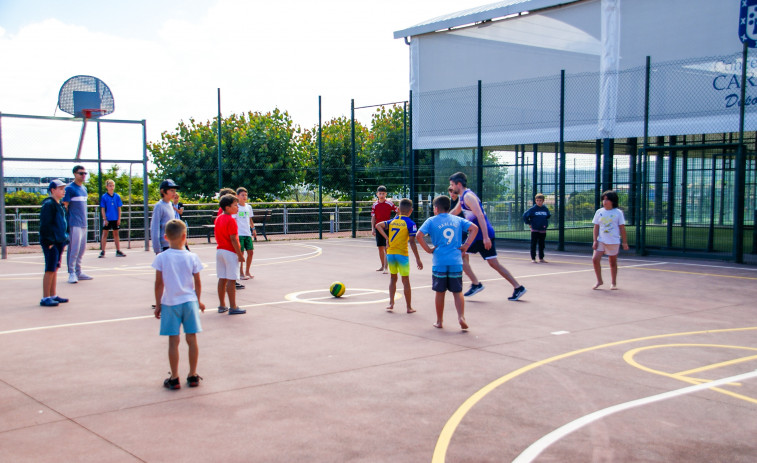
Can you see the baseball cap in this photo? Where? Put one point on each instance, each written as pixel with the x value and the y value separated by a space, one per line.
pixel 168 183
pixel 55 184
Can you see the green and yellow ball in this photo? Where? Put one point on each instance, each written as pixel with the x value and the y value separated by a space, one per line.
pixel 337 289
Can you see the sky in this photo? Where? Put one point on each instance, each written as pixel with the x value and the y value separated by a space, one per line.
pixel 165 59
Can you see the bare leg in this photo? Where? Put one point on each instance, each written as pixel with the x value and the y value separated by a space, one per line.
pixel 48 285
pixel 54 284
pixel 408 292
pixel 117 240
pixel 494 263
pixel 596 259
pixel 439 303
pixel 231 290
pixel 392 291
pixel 248 264
pixel 194 353
pixel 460 307
pixel 614 271
pixel 173 355
pixel 222 292
pixel 382 258
pixel 468 270
pixel 104 240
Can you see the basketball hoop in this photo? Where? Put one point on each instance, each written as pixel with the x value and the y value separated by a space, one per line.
pixel 86 97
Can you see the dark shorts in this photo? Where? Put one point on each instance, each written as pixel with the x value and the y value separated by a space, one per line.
pixel 478 248
pixel 111 225
pixel 447 278
pixel 380 240
pixel 53 256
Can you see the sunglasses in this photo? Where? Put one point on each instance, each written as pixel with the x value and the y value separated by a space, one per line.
pixel 81 173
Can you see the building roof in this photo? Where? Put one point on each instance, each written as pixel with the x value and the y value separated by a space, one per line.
pixel 478 14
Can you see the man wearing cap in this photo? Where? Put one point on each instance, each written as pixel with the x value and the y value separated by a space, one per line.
pixel 75 202
pixel 161 214
pixel 53 238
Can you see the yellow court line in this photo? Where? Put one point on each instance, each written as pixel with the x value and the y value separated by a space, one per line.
pixel 445 437
pixel 698 273
pixel 629 358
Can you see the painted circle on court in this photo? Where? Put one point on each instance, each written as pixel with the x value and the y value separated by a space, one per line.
pixel 328 299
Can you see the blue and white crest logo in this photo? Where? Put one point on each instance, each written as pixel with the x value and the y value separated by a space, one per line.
pixel 748 22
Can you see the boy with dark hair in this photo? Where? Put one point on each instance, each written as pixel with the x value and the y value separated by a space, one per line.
pixel 53 238
pixel 483 242
pixel 110 208
pixel 401 232
pixel 246 232
pixel 228 255
pixel 609 230
pixel 177 300
pixel 445 231
pixel 162 213
pixel 381 211
pixel 537 217
pixel 75 202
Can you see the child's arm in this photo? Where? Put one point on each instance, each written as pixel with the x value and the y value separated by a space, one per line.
pixel 102 212
pixel 595 232
pixel 158 291
pixel 527 217
pixel 373 224
pixel 623 237
pixel 380 227
pixel 472 232
pixel 198 290
pixel 237 249
pixel 419 236
pixel 415 251
pixel 119 216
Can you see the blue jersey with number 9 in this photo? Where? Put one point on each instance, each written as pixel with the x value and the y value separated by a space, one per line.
pixel 446 233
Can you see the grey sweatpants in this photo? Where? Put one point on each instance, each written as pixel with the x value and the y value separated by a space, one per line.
pixel 76 248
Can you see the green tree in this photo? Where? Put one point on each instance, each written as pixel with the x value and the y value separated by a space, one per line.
pixel 386 151
pixel 122 185
pixel 261 151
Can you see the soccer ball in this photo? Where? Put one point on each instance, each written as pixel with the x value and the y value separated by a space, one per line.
pixel 337 289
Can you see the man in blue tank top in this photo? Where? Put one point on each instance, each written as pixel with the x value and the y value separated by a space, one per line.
pixel 483 244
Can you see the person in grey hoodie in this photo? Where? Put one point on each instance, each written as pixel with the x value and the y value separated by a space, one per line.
pixel 53 237
pixel 162 212
pixel 538 219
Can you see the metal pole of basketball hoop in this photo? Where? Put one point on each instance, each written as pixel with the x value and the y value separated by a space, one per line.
pixel 3 244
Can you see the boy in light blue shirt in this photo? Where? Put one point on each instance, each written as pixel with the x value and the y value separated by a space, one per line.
pixel 446 233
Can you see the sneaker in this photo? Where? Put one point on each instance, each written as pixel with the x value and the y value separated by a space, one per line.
pixel 102 254
pixel 120 254
pixel 519 291
pixel 474 289
pixel 239 285
pixel 237 311
pixel 72 278
pixel 62 300
pixel 222 309
pixel 193 381
pixel 83 276
pixel 172 383
pixel 48 302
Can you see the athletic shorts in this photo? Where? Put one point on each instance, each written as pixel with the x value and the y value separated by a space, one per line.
pixel 447 278
pixel 478 248
pixel 53 256
pixel 398 264
pixel 608 249
pixel 227 265
pixel 380 240
pixel 245 243
pixel 172 317
pixel 111 225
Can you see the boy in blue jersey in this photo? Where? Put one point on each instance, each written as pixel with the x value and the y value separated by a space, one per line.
pixel 445 231
pixel 401 232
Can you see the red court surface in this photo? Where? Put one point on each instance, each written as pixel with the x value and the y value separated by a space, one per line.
pixel 566 374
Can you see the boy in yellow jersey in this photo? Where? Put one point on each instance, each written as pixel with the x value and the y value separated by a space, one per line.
pixel 399 232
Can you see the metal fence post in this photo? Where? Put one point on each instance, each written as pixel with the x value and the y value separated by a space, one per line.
pixel 479 151
pixel 561 186
pixel 320 173
pixel 642 238
pixel 411 153
pixel 740 173
pixel 354 168
pixel 3 242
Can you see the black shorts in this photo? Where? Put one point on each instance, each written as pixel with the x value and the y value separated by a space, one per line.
pixel 478 248
pixel 111 225
pixel 380 240
pixel 53 256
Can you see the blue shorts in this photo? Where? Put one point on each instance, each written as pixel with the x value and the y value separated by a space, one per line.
pixel 398 264
pixel 447 278
pixel 173 316
pixel 53 256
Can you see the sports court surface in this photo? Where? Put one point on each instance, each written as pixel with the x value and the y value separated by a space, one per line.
pixel 566 374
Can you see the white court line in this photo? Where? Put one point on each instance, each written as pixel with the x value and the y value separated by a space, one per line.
pixel 540 445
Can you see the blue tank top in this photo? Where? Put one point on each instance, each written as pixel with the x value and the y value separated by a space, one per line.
pixel 469 215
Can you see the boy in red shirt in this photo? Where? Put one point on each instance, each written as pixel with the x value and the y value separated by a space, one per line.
pixel 381 211
pixel 228 254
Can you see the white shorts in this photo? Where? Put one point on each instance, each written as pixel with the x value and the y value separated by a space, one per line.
pixel 227 265
pixel 608 249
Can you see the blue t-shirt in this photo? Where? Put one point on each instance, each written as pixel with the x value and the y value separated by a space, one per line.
pixel 446 232
pixel 111 205
pixel 472 217
pixel 76 197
